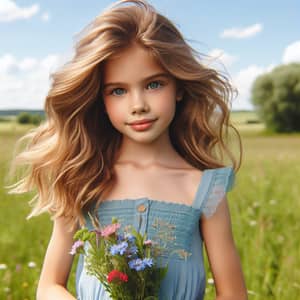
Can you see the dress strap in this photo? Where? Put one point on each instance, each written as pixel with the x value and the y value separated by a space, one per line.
pixel 212 189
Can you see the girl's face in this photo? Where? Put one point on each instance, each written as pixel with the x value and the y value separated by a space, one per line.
pixel 136 87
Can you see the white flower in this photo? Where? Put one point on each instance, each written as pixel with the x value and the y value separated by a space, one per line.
pixel 3 266
pixel 254 178
pixel 256 204
pixel 6 289
pixel 296 285
pixel 252 222
pixel 250 210
pixel 210 281
pixel 251 292
pixel 31 264
pixel 273 202
pixel 280 239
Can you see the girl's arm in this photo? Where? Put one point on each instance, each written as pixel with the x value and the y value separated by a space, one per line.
pixel 57 264
pixel 222 255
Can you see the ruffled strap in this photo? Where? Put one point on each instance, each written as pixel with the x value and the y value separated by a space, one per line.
pixel 215 184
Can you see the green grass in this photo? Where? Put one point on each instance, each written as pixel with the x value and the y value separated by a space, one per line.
pixel 265 211
pixel 247 122
pixel 264 207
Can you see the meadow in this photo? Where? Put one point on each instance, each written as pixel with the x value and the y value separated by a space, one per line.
pixel 264 207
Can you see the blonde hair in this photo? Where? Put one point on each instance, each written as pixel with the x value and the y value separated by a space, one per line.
pixel 70 157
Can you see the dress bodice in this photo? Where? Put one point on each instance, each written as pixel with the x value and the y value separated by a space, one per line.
pixel 181 236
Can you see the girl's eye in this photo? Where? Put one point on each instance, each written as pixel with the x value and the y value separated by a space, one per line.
pixel 154 84
pixel 117 92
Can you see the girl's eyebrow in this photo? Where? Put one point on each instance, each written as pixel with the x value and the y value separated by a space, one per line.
pixel 106 85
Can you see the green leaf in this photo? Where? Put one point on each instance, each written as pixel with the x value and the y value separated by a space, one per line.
pixel 79 234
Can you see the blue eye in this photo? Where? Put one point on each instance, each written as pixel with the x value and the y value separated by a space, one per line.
pixel 154 84
pixel 114 91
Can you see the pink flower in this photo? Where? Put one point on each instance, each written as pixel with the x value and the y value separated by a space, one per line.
pixel 115 274
pixel 148 243
pixel 76 245
pixel 110 229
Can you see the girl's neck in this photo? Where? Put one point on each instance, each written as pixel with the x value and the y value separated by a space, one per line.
pixel 158 153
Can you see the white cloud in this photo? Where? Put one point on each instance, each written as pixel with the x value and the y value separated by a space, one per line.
pixel 25 82
pixel 243 81
pixel 28 64
pixel 45 17
pixel 241 33
pixel 10 11
pixel 218 59
pixel 291 53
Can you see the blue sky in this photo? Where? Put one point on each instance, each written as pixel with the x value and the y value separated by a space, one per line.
pixel 245 38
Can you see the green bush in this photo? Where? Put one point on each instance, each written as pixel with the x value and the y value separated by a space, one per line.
pixel 276 96
pixel 36 119
pixel 27 118
pixel 24 118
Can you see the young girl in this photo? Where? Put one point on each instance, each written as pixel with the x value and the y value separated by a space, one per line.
pixel 136 128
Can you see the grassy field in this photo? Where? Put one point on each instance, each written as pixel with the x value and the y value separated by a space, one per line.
pixel 264 208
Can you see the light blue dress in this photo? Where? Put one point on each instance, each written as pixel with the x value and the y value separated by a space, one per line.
pixel 186 278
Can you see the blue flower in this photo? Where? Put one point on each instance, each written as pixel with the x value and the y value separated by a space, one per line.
pixel 136 264
pixel 131 238
pixel 140 264
pixel 132 251
pixel 120 238
pixel 119 248
pixel 148 262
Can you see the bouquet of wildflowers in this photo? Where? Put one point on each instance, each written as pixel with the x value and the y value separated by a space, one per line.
pixel 125 263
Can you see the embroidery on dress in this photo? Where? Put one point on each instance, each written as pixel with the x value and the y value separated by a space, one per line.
pixel 166 239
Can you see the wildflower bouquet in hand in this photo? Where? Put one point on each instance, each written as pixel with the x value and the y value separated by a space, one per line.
pixel 124 262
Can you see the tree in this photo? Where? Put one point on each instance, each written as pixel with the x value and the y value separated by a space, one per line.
pixel 24 118
pixel 36 119
pixel 29 118
pixel 276 95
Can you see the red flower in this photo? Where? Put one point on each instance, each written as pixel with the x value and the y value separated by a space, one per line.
pixel 115 274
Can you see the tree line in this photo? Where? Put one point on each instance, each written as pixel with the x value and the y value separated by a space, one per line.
pixel 30 118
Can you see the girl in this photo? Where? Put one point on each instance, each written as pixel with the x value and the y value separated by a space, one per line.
pixel 136 128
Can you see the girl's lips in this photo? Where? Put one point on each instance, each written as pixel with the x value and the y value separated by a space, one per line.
pixel 141 121
pixel 142 126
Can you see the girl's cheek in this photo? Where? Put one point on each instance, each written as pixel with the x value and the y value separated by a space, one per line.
pixel 109 105
pixel 115 112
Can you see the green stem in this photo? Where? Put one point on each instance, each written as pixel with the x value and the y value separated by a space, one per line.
pixel 141 297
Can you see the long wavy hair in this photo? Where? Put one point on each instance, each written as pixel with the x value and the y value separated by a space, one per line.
pixel 70 156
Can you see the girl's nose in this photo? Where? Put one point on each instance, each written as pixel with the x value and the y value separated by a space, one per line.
pixel 138 103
